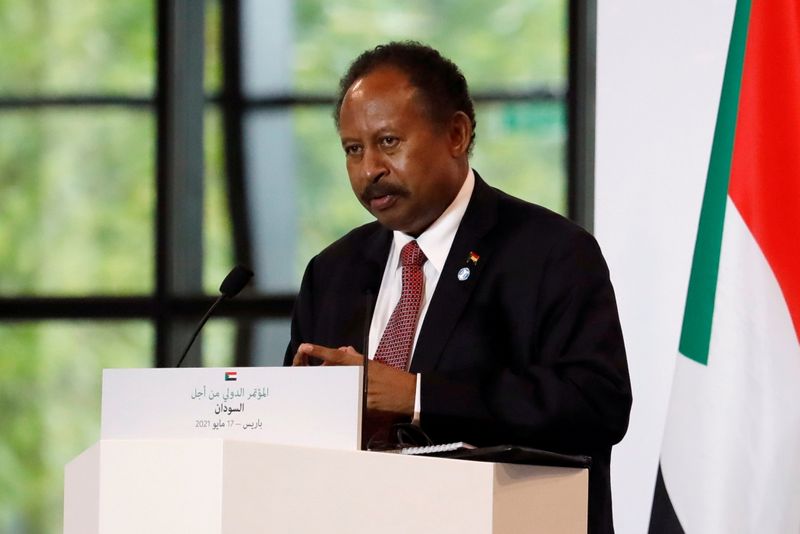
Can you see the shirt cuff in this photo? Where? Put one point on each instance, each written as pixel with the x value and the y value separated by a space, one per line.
pixel 417 402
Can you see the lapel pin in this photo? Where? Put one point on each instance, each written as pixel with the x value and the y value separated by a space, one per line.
pixel 464 272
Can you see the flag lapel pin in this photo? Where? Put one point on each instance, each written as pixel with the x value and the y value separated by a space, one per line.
pixel 465 272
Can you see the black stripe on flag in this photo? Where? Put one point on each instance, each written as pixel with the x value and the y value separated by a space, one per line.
pixel 663 519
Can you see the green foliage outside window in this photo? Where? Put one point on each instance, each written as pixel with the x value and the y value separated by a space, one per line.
pixel 49 394
pixel 77 194
pixel 55 47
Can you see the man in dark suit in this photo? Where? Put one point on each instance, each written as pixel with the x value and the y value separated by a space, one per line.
pixel 514 335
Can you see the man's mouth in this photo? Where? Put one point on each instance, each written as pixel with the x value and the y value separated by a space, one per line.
pixel 379 203
pixel 381 196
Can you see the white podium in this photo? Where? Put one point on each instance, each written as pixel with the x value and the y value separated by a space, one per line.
pixel 215 486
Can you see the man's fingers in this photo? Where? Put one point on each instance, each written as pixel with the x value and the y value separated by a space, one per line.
pixel 329 356
pixel 391 390
pixel 326 354
pixel 307 350
pixel 299 360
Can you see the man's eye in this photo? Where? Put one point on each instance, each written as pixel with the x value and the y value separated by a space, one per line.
pixel 389 141
pixel 352 150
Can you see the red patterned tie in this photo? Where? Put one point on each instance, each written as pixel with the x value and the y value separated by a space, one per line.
pixel 394 348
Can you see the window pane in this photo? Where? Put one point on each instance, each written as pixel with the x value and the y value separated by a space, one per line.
pixel 267 342
pixel 217 234
pixel 52 46
pixel 520 148
pixel 50 376
pixel 213 51
pixel 76 202
pixel 270 338
pixel 219 341
pixel 510 44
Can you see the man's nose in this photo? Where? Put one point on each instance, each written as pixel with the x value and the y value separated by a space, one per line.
pixel 374 165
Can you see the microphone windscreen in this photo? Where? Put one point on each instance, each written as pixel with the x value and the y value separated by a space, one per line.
pixel 235 281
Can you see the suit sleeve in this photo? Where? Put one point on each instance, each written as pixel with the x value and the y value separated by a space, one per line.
pixel 303 316
pixel 566 388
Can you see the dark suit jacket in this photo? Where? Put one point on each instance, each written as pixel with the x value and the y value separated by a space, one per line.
pixel 528 350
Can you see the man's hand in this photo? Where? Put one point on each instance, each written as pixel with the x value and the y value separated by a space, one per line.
pixel 388 390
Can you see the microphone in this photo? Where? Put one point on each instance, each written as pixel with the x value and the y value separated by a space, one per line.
pixel 230 287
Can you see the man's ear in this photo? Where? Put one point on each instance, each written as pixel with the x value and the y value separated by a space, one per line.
pixel 460 132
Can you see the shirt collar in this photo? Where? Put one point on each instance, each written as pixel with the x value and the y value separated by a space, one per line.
pixel 436 240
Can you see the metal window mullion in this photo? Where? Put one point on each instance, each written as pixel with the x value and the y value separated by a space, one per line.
pixel 43 308
pixel 233 128
pixel 179 214
pixel 581 111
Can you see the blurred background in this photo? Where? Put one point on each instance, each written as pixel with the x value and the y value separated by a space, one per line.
pixel 146 147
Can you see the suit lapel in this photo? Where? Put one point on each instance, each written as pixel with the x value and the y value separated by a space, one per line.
pixel 375 254
pixel 451 293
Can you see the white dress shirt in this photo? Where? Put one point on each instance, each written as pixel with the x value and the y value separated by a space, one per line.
pixel 435 243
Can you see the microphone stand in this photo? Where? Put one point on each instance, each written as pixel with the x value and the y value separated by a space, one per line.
pixel 200 327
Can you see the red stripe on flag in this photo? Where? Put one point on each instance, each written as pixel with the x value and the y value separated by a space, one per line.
pixel 765 168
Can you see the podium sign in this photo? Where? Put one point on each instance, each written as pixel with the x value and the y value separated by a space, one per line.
pixel 305 406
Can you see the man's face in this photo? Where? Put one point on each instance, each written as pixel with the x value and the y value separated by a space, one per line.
pixel 403 168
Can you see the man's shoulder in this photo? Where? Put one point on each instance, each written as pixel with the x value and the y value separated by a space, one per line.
pixel 523 218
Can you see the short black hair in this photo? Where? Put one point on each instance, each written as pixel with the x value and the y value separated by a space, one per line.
pixel 439 81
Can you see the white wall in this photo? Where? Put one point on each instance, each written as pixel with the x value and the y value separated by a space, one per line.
pixel 659 77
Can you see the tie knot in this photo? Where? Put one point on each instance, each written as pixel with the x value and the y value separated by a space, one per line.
pixel 411 254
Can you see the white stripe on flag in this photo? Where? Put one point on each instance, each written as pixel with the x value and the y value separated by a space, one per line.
pixel 731 454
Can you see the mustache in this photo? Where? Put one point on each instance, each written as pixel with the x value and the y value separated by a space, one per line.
pixel 381 189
